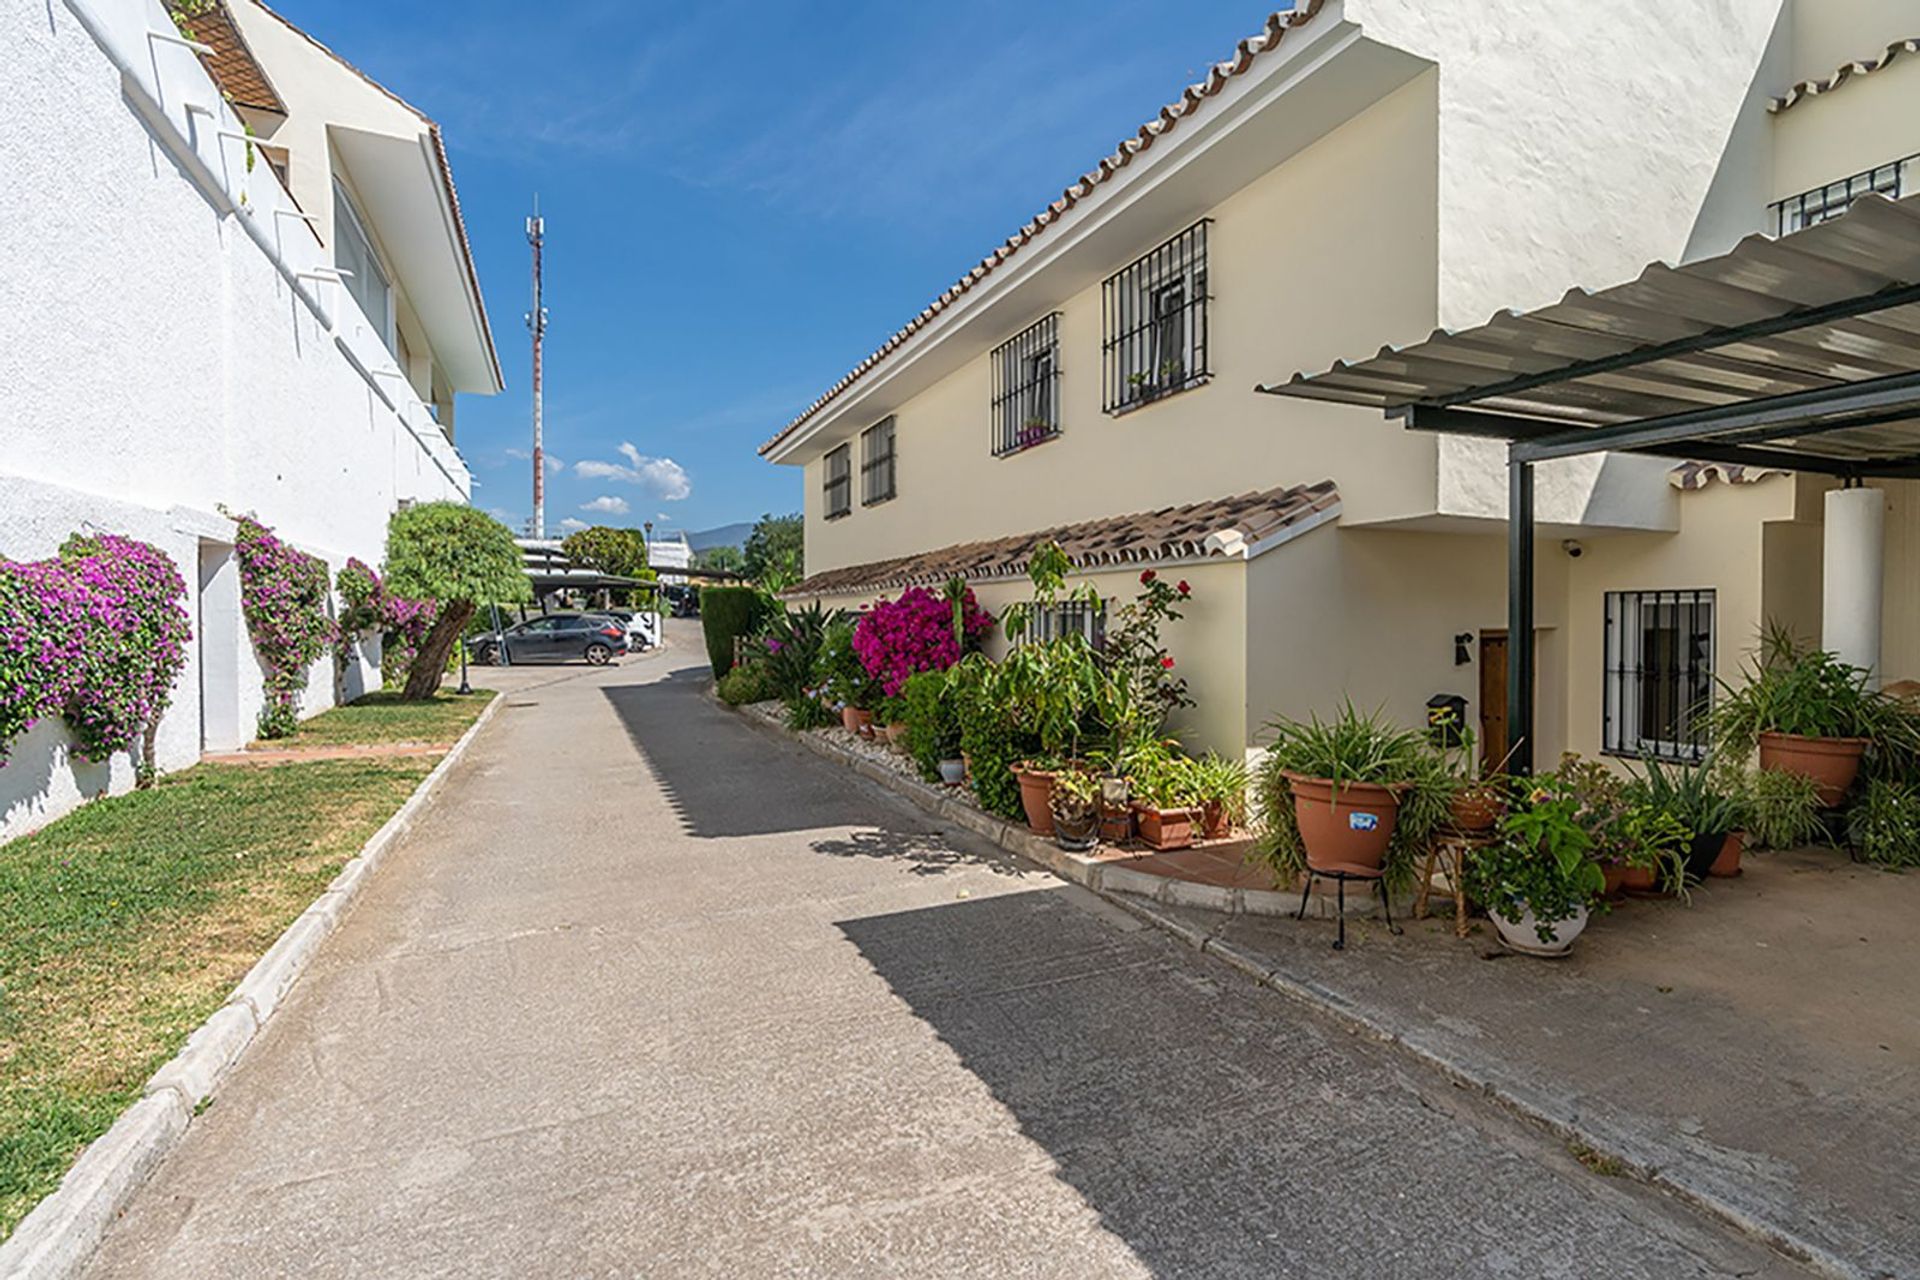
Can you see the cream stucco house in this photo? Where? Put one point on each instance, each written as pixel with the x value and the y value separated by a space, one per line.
pixel 1358 174
pixel 236 276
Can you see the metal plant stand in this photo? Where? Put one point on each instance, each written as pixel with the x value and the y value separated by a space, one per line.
pixel 1340 878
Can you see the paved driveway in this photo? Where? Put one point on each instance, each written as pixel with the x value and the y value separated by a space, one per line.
pixel 649 994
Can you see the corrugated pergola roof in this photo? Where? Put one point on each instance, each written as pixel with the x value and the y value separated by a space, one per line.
pixel 1808 344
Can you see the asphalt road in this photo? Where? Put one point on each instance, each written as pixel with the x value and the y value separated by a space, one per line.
pixel 651 994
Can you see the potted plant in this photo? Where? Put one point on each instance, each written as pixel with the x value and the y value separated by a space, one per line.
pixel 1165 808
pixel 847 680
pixel 1782 810
pixel 1538 881
pixel 1478 797
pixel 1700 801
pixel 891 717
pixel 1809 713
pixel 1075 807
pixel 1353 795
pixel 1116 809
pixel 1220 786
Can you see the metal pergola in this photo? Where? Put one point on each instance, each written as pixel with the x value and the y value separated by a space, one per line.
pixel 1800 353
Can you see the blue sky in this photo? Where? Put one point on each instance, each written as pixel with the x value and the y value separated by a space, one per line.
pixel 742 200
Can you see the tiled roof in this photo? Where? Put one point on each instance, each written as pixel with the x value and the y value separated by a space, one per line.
pixel 1189 102
pixel 1690 476
pixel 1865 67
pixel 231 64
pixel 1197 531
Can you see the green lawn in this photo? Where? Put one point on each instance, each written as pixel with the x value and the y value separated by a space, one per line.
pixel 126 923
pixel 382 717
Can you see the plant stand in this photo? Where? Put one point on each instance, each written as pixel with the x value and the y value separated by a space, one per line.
pixel 1379 880
pixel 1448 851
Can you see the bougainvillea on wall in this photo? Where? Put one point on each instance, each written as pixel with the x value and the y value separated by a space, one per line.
pixel 898 638
pixel 283 596
pixel 96 635
pixel 367 605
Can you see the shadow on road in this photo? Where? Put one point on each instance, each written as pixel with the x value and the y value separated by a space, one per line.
pixel 724 780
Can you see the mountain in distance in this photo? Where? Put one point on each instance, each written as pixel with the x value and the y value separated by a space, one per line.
pixel 727 535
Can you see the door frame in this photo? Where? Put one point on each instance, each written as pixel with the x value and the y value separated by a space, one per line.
pixel 1493 698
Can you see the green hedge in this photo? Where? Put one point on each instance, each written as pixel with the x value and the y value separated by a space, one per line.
pixel 726 612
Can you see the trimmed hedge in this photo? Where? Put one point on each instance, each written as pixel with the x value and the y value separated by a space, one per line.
pixel 726 612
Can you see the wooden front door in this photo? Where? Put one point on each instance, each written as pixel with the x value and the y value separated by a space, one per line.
pixel 1493 698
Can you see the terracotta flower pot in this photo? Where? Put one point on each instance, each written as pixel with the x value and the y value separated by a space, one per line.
pixel 1475 809
pixel 1347 830
pixel 1832 763
pixel 1036 798
pixel 1214 823
pixel 896 734
pixel 1640 880
pixel 1727 865
pixel 1166 828
pixel 857 721
pixel 1616 877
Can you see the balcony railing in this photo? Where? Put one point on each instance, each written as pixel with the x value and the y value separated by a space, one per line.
pixel 1810 208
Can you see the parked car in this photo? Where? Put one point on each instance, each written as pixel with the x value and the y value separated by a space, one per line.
pixel 638 637
pixel 555 637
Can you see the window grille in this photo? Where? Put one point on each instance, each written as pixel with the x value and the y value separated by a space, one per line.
pixel 839 481
pixel 1069 617
pixel 1659 674
pixel 1026 388
pixel 876 463
pixel 1155 314
pixel 1810 208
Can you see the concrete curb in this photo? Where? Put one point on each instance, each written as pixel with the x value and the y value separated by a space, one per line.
pixel 60 1235
pixel 1140 894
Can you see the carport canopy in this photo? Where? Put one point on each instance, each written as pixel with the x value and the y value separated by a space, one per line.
pixel 1800 353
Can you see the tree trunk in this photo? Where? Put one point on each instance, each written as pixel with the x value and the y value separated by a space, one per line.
pixel 423 680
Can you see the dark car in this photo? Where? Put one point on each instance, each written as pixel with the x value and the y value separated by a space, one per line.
pixel 556 637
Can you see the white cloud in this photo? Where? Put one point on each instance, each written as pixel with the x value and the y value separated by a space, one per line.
pixel 570 525
pixel 662 477
pixel 608 503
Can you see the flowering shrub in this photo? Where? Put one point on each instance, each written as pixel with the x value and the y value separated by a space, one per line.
pixel 283 596
pixel 96 635
pixel 1135 651
pixel 897 639
pixel 367 605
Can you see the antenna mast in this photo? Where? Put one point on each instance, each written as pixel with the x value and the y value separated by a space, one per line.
pixel 537 325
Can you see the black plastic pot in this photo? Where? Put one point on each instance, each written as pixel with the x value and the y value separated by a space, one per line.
pixel 1701 853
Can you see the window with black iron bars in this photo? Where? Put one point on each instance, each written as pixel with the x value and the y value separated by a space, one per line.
pixel 876 463
pixel 839 481
pixel 1066 618
pixel 1155 323
pixel 1810 208
pixel 1659 674
pixel 1026 384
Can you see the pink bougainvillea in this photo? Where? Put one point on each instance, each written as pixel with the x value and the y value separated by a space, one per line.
pixel 367 605
pixel 97 636
pixel 284 597
pixel 896 639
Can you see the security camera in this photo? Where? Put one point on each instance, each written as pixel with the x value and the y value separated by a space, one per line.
pixel 1573 548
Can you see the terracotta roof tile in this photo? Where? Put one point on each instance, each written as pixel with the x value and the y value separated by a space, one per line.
pixel 1864 67
pixel 1691 476
pixel 1190 101
pixel 1196 531
pixel 231 64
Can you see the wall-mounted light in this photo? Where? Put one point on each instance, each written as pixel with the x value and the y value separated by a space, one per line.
pixel 1461 655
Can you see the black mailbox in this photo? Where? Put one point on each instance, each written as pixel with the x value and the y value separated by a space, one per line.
pixel 1446 719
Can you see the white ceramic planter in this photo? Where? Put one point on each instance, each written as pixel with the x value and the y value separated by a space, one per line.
pixel 1524 936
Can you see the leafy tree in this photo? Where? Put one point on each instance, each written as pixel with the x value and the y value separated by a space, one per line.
pixel 460 557
pixel 775 555
pixel 620 552
pixel 726 559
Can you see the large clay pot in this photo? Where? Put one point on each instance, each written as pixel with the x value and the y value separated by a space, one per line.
pixel 1832 763
pixel 1616 877
pixel 1640 881
pixel 1523 935
pixel 1214 823
pixel 1727 864
pixel 1475 808
pixel 1166 828
pixel 1036 798
pixel 1345 830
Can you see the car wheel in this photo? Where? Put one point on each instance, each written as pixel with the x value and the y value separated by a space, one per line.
pixel 598 654
pixel 483 655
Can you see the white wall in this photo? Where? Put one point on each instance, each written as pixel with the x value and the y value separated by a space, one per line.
pixel 157 359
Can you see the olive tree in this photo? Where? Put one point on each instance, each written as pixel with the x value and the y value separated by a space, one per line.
pixel 459 558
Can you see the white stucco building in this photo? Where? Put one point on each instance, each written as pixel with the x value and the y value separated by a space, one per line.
pixel 1355 175
pixel 190 320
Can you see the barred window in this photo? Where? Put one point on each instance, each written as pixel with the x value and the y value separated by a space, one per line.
pixel 1659 674
pixel 876 463
pixel 1810 208
pixel 1026 385
pixel 1156 323
pixel 1069 617
pixel 839 481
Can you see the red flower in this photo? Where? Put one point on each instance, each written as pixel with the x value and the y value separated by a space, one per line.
pixel 1167 663
pixel 1183 588
pixel 1146 576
